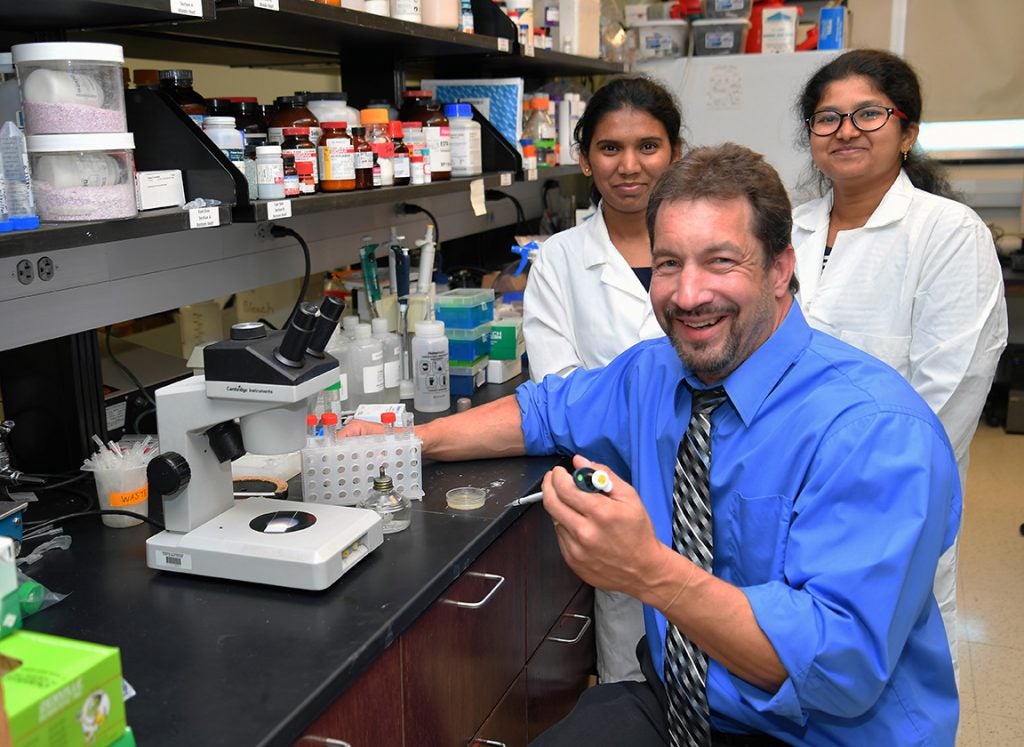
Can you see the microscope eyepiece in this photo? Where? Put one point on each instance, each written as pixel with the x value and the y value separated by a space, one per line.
pixel 296 335
pixel 330 312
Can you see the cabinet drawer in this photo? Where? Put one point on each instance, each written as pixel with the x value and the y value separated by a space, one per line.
pixel 464 653
pixel 560 669
pixel 506 726
pixel 550 583
pixel 369 714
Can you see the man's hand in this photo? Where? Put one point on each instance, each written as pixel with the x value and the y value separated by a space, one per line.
pixel 356 427
pixel 607 539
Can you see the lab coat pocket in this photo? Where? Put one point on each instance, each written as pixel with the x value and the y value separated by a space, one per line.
pixel 892 350
pixel 755 531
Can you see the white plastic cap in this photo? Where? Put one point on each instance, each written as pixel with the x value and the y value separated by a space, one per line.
pixel 350 322
pixel 87 141
pixel 378 325
pixel 430 328
pixel 72 51
pixel 363 332
pixel 219 122
pixel 268 150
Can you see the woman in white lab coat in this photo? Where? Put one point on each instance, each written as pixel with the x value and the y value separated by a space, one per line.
pixel 586 300
pixel 892 265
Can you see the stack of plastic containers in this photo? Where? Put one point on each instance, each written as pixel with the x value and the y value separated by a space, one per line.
pixel 467 314
pixel 79 147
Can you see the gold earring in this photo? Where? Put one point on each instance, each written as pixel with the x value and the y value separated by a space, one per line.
pixel 586 171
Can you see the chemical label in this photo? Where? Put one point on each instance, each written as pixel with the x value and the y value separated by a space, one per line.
pixel 129 498
pixel 503 44
pixel 279 209
pixel 187 8
pixel 336 159
pixel 432 372
pixel 266 4
pixel 373 379
pixel 208 217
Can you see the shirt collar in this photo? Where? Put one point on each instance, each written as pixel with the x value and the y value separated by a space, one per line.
pixel 814 215
pixel 750 384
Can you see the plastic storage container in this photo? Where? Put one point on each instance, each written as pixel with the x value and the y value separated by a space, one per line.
pixel 713 36
pixel 465 308
pixel 727 8
pixel 332 106
pixel 71 87
pixel 661 39
pixel 83 177
pixel 465 346
pixel 467 159
pixel 466 379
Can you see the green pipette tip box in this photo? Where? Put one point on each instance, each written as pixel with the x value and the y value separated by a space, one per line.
pixel 61 691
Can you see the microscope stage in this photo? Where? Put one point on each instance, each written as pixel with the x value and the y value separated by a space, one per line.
pixel 268 541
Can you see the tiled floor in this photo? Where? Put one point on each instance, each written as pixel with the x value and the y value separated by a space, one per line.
pixel 991 593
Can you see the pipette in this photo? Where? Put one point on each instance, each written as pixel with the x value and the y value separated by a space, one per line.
pixel 587 479
pixel 368 262
pixel 427 250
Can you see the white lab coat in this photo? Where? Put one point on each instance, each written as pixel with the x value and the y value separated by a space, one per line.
pixel 919 287
pixel 583 306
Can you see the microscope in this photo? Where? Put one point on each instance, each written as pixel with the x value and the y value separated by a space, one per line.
pixel 252 398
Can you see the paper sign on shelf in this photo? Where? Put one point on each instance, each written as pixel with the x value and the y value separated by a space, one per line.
pixel 207 217
pixel 279 209
pixel 187 7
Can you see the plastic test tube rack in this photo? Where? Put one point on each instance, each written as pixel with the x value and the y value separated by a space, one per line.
pixel 343 472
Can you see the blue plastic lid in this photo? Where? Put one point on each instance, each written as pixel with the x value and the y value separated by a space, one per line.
pixel 5 226
pixel 24 222
pixel 458 110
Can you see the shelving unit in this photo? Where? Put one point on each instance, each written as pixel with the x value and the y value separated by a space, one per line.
pixel 111 271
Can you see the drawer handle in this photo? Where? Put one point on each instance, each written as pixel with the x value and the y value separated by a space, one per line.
pixel 486 599
pixel 330 741
pixel 584 629
pixel 490 742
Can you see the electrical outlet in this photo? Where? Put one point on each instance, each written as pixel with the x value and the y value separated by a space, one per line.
pixel 45 268
pixel 26 274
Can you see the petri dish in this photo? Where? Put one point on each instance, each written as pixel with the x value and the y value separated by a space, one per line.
pixel 466 499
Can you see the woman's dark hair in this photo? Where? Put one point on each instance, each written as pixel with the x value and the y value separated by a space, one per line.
pixel 628 92
pixel 896 79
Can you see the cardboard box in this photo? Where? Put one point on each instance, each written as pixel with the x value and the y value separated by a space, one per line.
pixel 507 341
pixel 832 28
pixel 159 189
pixel 498 372
pixel 62 692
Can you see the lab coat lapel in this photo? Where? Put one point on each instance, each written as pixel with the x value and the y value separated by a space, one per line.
pixel 812 219
pixel 601 256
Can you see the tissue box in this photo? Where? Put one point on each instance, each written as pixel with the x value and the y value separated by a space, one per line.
pixel 159 189
pixel 62 691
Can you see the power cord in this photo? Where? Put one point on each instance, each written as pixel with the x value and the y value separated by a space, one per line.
pixel 497 194
pixel 280 232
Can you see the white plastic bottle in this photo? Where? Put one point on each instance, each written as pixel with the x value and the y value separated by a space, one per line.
pixel 367 367
pixel 341 397
pixel 465 134
pixel 392 345
pixel 269 172
pixel 442 14
pixel 406 10
pixel 430 367
pixel 221 130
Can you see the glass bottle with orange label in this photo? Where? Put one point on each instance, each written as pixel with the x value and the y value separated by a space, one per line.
pixel 336 158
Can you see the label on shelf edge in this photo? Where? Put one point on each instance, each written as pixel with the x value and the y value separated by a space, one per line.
pixel 503 44
pixel 506 178
pixel 278 209
pixel 187 7
pixel 528 50
pixel 207 217
pixel 266 4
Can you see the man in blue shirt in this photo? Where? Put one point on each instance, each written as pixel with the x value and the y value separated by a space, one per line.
pixel 833 488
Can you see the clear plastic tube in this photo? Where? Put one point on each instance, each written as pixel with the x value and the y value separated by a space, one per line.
pixel 17 176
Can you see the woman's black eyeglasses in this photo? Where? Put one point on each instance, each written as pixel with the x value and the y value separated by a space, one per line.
pixel 866 119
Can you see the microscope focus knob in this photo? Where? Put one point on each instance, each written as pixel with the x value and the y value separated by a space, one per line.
pixel 168 473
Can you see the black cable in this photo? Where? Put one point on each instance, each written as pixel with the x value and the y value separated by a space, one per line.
pixel 269 324
pixel 280 231
pixel 140 416
pixel 126 370
pixel 98 512
pixel 61 484
pixel 497 194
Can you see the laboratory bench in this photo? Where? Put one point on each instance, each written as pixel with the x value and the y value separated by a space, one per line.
pixel 467 625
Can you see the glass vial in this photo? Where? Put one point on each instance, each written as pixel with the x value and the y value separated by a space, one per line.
pixel 394 509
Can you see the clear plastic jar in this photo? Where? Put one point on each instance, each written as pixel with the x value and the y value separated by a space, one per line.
pixel 83 177
pixel 71 87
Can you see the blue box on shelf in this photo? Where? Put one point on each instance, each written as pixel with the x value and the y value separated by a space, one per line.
pixel 464 380
pixel 465 308
pixel 465 346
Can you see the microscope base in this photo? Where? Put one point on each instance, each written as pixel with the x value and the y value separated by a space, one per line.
pixel 295 545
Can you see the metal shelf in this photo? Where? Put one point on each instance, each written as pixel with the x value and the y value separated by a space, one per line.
pixel 52 237
pixel 59 15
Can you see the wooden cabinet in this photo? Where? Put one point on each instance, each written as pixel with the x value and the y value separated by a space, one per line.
pixel 467 672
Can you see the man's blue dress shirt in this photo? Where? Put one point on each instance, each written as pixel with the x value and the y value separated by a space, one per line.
pixel 834 491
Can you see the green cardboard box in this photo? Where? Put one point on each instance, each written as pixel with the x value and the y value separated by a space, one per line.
pixel 507 342
pixel 61 692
